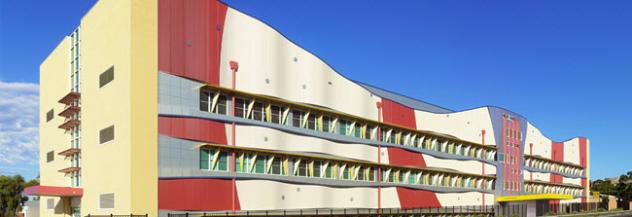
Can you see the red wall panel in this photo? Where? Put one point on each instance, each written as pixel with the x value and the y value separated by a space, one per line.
pixel 193 129
pixel 557 154
pixel 190 38
pixel 196 194
pixel 398 114
pixel 413 198
pixel 401 157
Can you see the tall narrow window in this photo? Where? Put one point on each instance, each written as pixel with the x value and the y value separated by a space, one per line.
pixel 257 111
pixel 221 105
pixel 276 166
pixel 317 165
pixel 275 114
pixel 327 123
pixel 240 107
pixel 205 99
pixel 297 118
pixel 205 159
pixel 311 122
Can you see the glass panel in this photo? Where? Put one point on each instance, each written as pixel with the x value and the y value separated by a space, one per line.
pixel 204 158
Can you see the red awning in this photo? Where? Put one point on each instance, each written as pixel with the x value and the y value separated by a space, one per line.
pixel 68 98
pixel 40 190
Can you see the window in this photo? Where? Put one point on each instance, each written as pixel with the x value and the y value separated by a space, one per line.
pixel 297 118
pixel 208 161
pixel 317 165
pixel 205 98
pixel 327 171
pixel 343 127
pixel 240 108
pixel 106 135
pixel 50 115
pixel 50 203
pixel 106 77
pixel 50 156
pixel 221 105
pixel 205 159
pixel 276 166
pixel 311 122
pixel 260 164
pixel 257 111
pixel 327 121
pixel 357 131
pixel 106 201
pixel 275 114
pixel 302 168
pixel 368 132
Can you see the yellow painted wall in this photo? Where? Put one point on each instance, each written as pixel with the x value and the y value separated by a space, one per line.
pixel 122 34
pixel 54 77
pixel 144 102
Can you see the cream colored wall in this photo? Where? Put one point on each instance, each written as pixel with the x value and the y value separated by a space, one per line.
pixel 120 34
pixel 541 144
pixel 574 181
pixel 254 137
pixel 537 176
pixel 571 151
pixel 266 195
pixel 271 56
pixel 54 84
pixel 456 124
pixel 465 166
pixel 465 199
pixel 105 42
pixel 144 107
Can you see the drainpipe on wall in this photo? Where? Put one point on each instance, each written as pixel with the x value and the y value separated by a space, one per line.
pixel 234 66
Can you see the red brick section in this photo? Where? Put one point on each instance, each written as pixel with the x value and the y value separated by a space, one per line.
pixel 190 38
pixel 398 114
pixel 413 198
pixel 195 194
pixel 557 154
pixel 401 157
pixel 193 129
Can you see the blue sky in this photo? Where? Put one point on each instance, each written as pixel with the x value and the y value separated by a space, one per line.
pixel 565 65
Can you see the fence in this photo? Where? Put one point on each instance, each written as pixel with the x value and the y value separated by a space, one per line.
pixel 429 211
pixel 112 215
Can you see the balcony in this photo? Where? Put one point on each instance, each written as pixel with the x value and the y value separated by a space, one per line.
pixel 70 170
pixel 70 152
pixel 70 111
pixel 69 98
pixel 69 124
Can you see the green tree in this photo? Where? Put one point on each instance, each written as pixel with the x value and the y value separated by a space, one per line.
pixel 11 198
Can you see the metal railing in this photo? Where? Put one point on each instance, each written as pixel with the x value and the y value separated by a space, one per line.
pixel 113 215
pixel 450 210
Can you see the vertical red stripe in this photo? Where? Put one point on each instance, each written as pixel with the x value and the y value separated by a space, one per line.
pixel 398 114
pixel 189 38
pixel 557 154
pixel 193 129
pixel 401 157
pixel 412 198
pixel 195 195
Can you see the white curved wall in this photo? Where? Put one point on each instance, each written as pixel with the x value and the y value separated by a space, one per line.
pixel 465 125
pixel 465 199
pixel 255 137
pixel 537 176
pixel 541 144
pixel 263 54
pixel 571 151
pixel 574 181
pixel 267 195
pixel 466 166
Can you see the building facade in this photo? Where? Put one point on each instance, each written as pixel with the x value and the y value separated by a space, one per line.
pixel 164 106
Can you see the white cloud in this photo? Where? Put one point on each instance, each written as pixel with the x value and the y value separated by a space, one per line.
pixel 19 108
